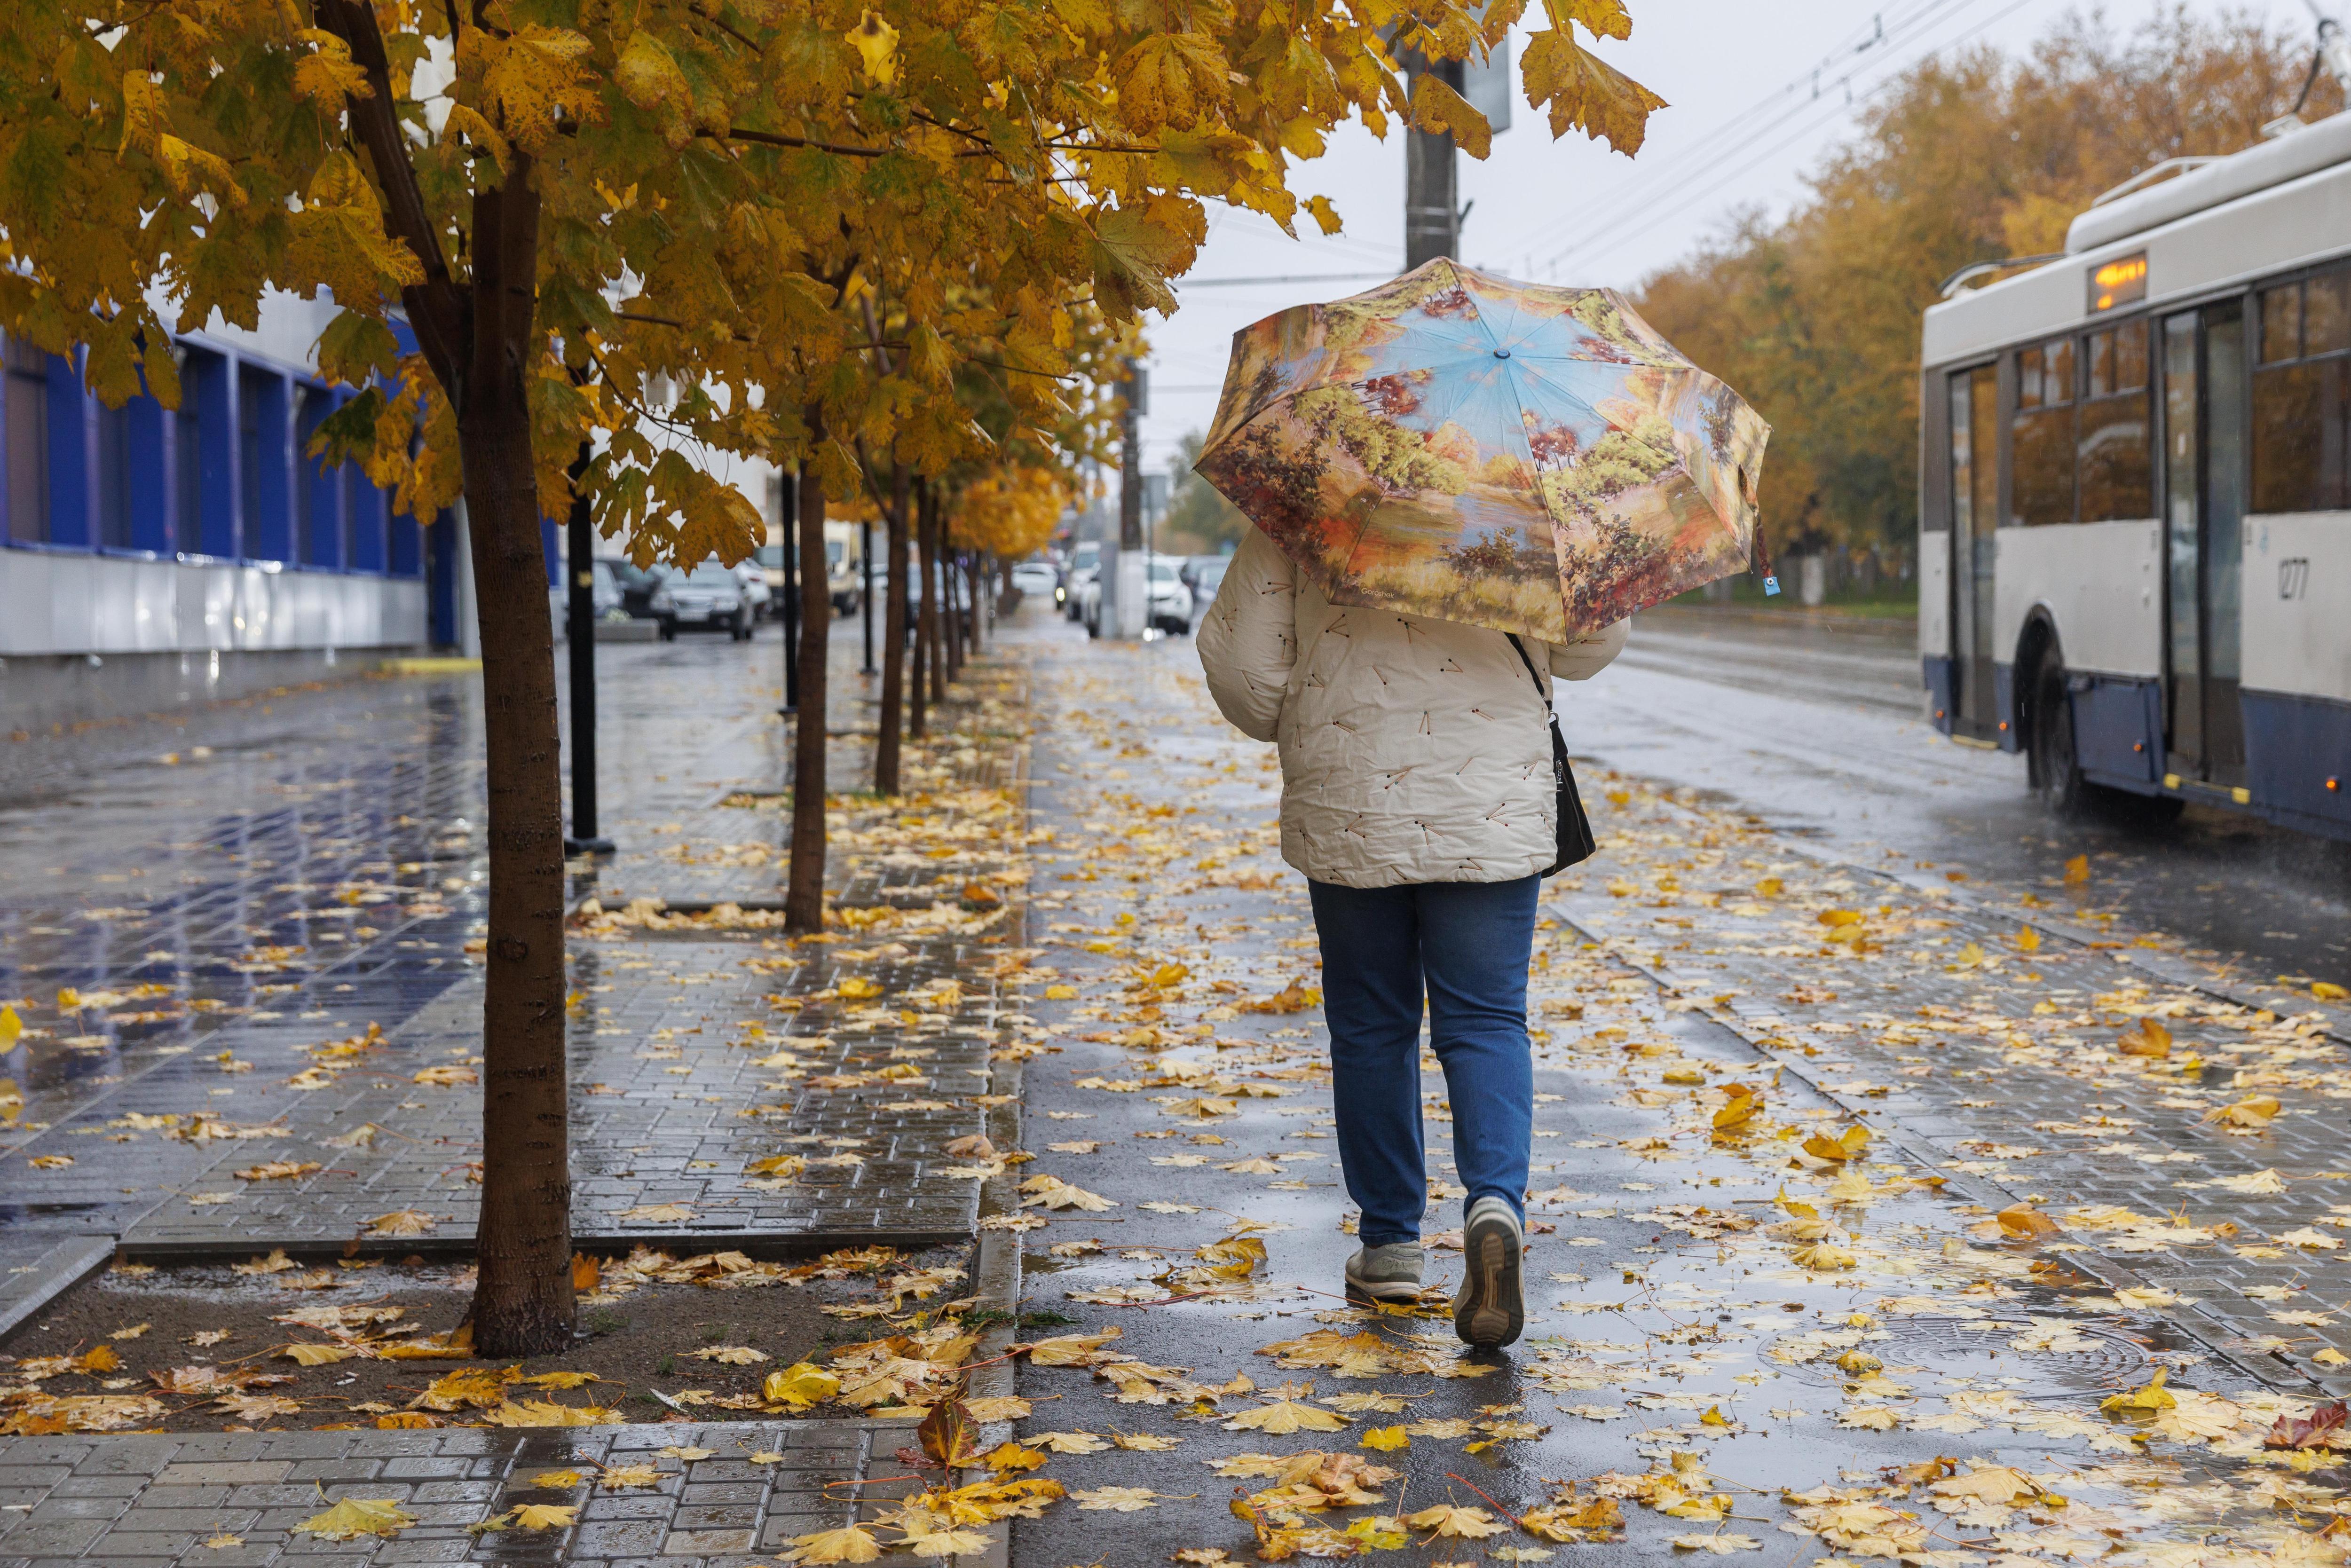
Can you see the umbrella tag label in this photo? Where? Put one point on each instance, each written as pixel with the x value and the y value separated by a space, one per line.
pixel 1771 586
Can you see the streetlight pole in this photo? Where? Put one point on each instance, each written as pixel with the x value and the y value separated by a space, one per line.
pixel 788 495
pixel 865 591
pixel 579 630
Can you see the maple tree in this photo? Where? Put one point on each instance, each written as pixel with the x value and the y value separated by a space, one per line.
pixel 653 230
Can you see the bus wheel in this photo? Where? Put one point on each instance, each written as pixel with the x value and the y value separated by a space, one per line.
pixel 2055 764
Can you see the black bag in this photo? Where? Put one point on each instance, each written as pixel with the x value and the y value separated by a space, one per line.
pixel 1575 843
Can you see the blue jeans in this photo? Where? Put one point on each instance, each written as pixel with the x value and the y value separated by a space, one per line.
pixel 1468 943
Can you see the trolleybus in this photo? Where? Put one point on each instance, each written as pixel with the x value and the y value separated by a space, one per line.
pixel 2135 494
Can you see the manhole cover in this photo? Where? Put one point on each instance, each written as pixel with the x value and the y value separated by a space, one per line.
pixel 2046 1358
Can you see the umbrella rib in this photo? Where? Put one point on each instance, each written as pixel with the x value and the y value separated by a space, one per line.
pixel 1493 338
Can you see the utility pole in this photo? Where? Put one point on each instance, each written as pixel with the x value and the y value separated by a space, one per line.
pixel 1432 215
pixel 1433 208
pixel 580 552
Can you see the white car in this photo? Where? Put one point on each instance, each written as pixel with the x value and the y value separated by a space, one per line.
pixel 1077 571
pixel 756 593
pixel 1036 577
pixel 1171 601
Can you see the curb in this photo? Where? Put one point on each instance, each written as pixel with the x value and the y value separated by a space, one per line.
pixel 51 1275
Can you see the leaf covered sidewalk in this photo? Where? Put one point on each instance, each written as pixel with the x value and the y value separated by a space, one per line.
pixel 1871 1221
pixel 1874 1220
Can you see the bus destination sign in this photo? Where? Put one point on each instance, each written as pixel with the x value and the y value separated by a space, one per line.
pixel 2122 281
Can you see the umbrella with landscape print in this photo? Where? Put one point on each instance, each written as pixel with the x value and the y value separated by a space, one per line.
pixel 1466 449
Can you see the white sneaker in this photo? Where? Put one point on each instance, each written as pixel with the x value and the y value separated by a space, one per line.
pixel 1384 1273
pixel 1490 1309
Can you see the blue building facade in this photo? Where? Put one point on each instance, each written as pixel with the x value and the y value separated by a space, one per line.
pixel 152 557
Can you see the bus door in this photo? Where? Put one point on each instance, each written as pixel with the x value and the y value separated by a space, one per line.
pixel 1975 517
pixel 2204 429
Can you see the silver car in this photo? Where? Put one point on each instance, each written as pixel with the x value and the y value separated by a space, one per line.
pixel 710 598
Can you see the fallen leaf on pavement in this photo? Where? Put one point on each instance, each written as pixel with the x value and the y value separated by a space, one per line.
pixel 357 1516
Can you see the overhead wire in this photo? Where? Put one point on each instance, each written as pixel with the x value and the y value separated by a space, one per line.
pixel 1893 29
pixel 1613 234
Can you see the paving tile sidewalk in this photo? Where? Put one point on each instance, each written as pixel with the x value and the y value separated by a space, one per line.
pixel 2000 1059
pixel 662 1071
pixel 135 1501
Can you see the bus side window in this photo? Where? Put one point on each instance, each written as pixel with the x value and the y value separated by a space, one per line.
pixel 2118 472
pixel 2042 436
pixel 2302 399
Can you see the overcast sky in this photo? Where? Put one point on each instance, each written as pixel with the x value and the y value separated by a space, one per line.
pixel 1744 125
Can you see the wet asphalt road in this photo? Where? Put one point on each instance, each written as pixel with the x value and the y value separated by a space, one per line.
pixel 1819 729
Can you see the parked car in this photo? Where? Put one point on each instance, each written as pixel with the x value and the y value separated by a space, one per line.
pixel 710 598
pixel 1036 577
pixel 844 576
pixel 755 592
pixel 1083 563
pixel 1203 574
pixel 1171 601
pixel 635 584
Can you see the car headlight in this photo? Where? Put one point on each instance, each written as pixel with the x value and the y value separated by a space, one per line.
pixel 663 602
pixel 725 603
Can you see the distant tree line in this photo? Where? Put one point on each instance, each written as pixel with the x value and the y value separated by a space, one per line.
pixel 1815 318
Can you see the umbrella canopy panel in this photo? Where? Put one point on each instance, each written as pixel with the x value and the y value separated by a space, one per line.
pixel 1460 446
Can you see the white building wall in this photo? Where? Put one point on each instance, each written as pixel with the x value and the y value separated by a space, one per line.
pixel 58 602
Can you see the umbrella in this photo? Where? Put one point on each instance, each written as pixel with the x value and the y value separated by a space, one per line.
pixel 1467 448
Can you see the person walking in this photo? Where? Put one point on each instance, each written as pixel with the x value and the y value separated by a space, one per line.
pixel 1417 797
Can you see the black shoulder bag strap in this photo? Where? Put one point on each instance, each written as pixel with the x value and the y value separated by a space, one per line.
pixel 1575 842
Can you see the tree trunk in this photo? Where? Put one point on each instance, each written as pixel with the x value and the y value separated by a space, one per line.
pixel 887 746
pixel 934 615
pixel 523 1296
pixel 804 895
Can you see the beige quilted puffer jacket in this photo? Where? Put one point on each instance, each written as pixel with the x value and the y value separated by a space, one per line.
pixel 1412 750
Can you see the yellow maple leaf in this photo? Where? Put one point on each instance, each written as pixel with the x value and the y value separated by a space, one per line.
pixel 1171 78
pixel 876 43
pixel 328 75
pixel 2144 1401
pixel 799 1385
pixel 1450 1522
pixel 850 1543
pixel 1848 1145
pixel 357 1516
pixel 1281 1417
pixel 612 1478
pixel 535 77
pixel 1437 107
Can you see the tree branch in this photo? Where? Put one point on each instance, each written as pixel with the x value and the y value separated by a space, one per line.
pixel 437 308
pixel 771 139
